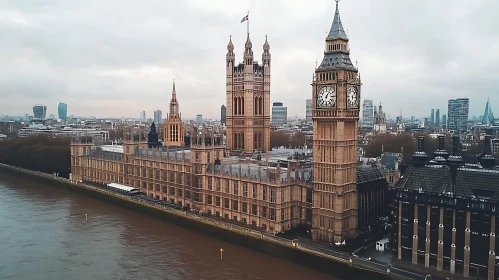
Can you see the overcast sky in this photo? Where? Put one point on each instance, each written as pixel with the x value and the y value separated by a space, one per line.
pixel 111 58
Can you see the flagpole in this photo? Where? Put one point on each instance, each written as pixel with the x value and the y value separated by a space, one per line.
pixel 247 23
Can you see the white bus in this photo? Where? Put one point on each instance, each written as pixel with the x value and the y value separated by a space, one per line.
pixel 123 189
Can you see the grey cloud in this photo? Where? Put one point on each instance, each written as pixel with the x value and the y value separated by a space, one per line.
pixel 417 53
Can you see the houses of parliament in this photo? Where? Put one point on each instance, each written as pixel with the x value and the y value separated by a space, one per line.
pixel 245 180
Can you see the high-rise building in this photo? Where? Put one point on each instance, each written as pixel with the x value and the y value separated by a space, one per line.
pixel 279 113
pixel 437 116
pixel 336 100
pixel 158 116
pixel 488 116
pixel 223 114
pixel 308 112
pixel 39 112
pixel 199 119
pixel 444 121
pixel 248 99
pixel 143 115
pixel 174 130
pixel 432 117
pixel 457 114
pixel 368 114
pixel 62 111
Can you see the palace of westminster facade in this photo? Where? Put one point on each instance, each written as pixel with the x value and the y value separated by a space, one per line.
pixel 257 187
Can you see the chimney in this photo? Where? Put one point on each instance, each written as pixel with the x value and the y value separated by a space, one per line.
pixel 419 158
pixel 486 158
pixel 440 155
pixel 455 161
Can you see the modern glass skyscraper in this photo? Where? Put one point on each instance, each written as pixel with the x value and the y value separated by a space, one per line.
pixel 308 112
pixel 437 116
pixel 158 116
pixel 39 112
pixel 279 113
pixel 368 114
pixel 62 111
pixel 457 114
pixel 223 114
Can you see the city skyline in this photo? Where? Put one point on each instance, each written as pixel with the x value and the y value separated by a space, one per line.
pixel 128 61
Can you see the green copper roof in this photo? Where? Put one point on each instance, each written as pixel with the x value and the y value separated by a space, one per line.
pixel 488 116
pixel 337 30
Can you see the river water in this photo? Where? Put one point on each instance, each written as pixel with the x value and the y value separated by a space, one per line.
pixel 43 235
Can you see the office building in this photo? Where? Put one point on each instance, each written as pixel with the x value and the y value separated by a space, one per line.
pixel 437 116
pixel 444 121
pixel 158 116
pixel 368 114
pixel 432 117
pixel 223 114
pixel 444 211
pixel 143 115
pixel 199 119
pixel 308 112
pixel 488 116
pixel 39 112
pixel 457 114
pixel 62 111
pixel 279 113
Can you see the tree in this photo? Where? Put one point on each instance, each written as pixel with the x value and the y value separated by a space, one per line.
pixel 40 153
pixel 116 134
pixel 407 144
pixel 278 139
pixel 297 140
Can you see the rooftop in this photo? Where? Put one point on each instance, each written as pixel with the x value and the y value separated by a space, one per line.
pixel 470 183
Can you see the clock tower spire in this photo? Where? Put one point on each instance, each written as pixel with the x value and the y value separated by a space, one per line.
pixel 335 115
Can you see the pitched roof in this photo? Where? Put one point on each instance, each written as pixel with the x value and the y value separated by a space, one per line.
pixel 471 183
pixel 337 30
pixel 367 174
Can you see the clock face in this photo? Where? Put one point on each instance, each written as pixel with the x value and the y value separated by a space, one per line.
pixel 352 97
pixel 326 97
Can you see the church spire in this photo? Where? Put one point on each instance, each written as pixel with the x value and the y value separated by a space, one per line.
pixel 337 31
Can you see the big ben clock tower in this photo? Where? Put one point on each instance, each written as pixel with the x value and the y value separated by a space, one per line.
pixel 335 115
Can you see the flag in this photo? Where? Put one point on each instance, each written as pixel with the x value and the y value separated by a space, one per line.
pixel 244 19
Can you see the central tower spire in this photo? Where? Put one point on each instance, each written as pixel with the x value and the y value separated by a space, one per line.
pixel 173 130
pixel 337 30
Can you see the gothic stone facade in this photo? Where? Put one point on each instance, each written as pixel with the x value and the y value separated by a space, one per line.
pixel 335 116
pixel 201 179
pixel 248 100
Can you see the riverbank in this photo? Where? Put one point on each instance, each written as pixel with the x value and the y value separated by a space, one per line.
pixel 319 258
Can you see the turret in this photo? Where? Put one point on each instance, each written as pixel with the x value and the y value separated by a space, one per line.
pixel 455 161
pixel 486 158
pixel 153 137
pixel 419 158
pixel 440 155
pixel 230 57
pixel 266 53
pixel 248 52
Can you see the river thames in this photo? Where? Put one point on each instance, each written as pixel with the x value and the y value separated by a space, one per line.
pixel 44 236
